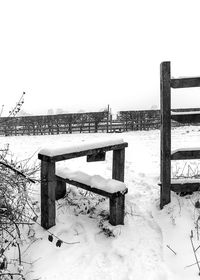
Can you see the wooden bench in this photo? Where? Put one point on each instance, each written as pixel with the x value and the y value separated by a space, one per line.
pixel 53 180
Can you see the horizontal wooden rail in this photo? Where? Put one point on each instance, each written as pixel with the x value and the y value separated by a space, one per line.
pixel 185 82
pixel 81 153
pixel 185 187
pixel 186 118
pixel 185 154
pixel 188 186
pixel 89 188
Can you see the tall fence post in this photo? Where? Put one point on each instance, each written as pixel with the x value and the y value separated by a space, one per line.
pixel 165 133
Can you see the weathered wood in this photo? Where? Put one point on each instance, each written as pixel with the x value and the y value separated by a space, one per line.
pixel 183 117
pixel 82 153
pixel 48 186
pixel 116 200
pixel 96 157
pixel 60 188
pixel 54 124
pixel 185 82
pixel 43 125
pixel 87 187
pixel 186 187
pixel 165 133
pixel 54 187
pixel 183 154
pixel 186 118
pixel 118 164
pixel 117 203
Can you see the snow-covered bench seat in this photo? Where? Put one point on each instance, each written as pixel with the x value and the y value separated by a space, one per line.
pixel 54 179
pixel 111 188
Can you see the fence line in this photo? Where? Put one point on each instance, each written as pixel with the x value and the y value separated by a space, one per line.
pixel 82 123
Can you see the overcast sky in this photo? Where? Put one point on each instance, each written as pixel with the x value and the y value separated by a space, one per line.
pixel 83 55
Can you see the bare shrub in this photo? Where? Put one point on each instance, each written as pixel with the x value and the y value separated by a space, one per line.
pixel 16 210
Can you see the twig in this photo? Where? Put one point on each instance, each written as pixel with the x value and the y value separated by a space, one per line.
pixel 190 265
pixel 19 249
pixel 2 107
pixel 197 226
pixel 9 273
pixel 197 262
pixel 16 171
pixel 17 223
pixel 68 243
pixel 171 249
pixel 197 248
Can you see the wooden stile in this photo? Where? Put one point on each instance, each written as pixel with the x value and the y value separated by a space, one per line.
pixel 184 117
pixel 53 187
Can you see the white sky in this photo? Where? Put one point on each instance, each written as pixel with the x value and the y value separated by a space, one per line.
pixel 86 54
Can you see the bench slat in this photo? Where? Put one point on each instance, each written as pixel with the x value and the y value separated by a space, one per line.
pixel 185 154
pixel 186 187
pixel 186 118
pixel 88 188
pixel 185 82
pixel 82 153
pixel 189 185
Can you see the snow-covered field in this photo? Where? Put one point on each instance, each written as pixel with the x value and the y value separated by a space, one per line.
pixel 139 250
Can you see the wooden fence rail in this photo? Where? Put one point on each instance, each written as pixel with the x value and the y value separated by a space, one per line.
pixel 83 123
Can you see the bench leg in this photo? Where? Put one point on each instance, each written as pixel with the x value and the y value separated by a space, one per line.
pixel 117 210
pixel 48 187
pixel 118 164
pixel 60 188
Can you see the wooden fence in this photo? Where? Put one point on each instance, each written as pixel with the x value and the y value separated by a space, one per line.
pixel 55 124
pixel 140 120
pixel 83 123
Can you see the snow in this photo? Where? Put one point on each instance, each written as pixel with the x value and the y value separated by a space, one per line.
pixel 95 181
pixel 186 113
pixel 185 181
pixel 59 149
pixel 138 249
pixel 185 149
